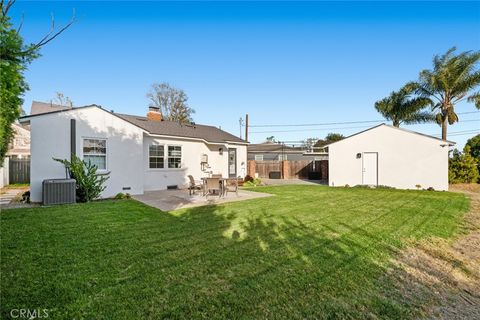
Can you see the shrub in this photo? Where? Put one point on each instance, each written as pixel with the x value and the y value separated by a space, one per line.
pixel 253 183
pixel 89 184
pixel 120 196
pixel 462 167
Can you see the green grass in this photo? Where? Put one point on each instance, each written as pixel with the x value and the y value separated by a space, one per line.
pixel 307 252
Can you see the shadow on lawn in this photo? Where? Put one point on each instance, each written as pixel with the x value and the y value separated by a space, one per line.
pixel 127 260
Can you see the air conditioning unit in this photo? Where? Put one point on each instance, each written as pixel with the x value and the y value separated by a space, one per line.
pixel 58 191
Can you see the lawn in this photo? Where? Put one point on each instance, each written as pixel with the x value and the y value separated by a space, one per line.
pixel 307 252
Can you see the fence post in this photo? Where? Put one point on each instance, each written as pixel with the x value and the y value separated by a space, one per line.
pixel 251 168
pixel 285 169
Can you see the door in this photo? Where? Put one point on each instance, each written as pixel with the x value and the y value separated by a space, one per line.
pixel 232 163
pixel 370 168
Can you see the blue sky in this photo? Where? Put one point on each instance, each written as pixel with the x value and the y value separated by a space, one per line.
pixel 282 62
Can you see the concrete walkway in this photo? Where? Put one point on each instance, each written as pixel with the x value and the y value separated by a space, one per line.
pixel 8 194
pixel 167 200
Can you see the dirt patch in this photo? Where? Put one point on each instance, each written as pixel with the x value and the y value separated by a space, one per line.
pixel 443 278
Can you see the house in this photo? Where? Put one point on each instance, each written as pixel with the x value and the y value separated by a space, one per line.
pixel 140 153
pixel 20 146
pixel 390 156
pixel 273 151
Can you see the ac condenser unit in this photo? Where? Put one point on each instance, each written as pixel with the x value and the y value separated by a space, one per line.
pixel 59 191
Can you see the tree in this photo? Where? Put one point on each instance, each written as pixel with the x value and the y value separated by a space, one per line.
pixel 271 139
pixel 403 107
pixel 309 143
pixel 62 100
pixel 329 138
pixel 172 102
pixel 452 79
pixel 474 145
pixel 15 56
pixel 474 149
pixel 462 167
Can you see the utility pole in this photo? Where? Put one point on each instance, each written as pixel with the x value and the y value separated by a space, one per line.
pixel 240 122
pixel 246 127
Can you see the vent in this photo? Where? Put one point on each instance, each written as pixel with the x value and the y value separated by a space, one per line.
pixel 173 187
pixel 58 191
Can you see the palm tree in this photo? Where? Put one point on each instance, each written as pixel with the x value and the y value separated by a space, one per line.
pixel 403 107
pixel 453 77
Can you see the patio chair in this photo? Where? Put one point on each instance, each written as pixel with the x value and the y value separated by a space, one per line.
pixel 212 185
pixel 194 185
pixel 231 185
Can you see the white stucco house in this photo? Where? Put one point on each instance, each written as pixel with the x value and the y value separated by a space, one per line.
pixel 140 153
pixel 389 156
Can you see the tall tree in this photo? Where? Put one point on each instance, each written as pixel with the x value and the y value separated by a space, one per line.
pixel 403 107
pixel 171 101
pixel 453 78
pixel 329 138
pixel 62 100
pixel 15 56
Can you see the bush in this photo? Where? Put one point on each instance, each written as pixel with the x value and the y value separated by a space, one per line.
pixel 120 196
pixel 253 183
pixel 89 184
pixel 462 167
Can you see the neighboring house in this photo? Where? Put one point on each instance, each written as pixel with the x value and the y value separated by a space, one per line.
pixel 20 145
pixel 45 107
pixel 277 151
pixel 390 156
pixel 139 153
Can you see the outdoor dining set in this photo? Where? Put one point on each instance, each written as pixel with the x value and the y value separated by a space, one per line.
pixel 214 185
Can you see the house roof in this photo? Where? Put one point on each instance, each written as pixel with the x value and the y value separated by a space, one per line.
pixel 267 147
pixel 43 107
pixel 450 143
pixel 172 128
pixel 164 128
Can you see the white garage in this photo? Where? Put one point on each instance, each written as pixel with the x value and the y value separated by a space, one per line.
pixel 389 156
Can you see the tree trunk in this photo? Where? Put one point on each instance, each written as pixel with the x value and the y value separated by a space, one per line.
pixel 444 127
pixel 396 123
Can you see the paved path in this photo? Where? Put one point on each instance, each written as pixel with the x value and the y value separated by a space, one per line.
pixel 167 200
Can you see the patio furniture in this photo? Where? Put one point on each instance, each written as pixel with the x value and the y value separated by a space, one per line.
pixel 217 175
pixel 212 185
pixel 231 185
pixel 194 185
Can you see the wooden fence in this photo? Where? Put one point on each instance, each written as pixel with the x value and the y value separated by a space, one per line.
pixel 300 169
pixel 19 171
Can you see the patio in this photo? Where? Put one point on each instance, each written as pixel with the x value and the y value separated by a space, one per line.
pixel 167 200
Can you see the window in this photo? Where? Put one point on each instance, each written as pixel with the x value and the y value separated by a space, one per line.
pixel 156 156
pixel 174 156
pixel 259 157
pixel 282 157
pixel 95 152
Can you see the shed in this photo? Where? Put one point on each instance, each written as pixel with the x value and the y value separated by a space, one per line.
pixel 389 156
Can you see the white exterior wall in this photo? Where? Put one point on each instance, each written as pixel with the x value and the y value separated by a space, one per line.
pixel 405 159
pixel 50 138
pixel 159 179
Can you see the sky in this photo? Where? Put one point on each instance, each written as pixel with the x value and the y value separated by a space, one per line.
pixel 283 63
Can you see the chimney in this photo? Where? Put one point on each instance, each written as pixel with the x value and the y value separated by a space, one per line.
pixel 154 114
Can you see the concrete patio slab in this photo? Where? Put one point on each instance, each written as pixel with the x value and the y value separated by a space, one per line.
pixel 167 200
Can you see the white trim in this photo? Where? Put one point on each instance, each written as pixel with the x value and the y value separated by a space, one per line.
pixel 106 151
pixel 181 155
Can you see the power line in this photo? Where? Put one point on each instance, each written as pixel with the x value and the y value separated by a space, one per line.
pixel 332 123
